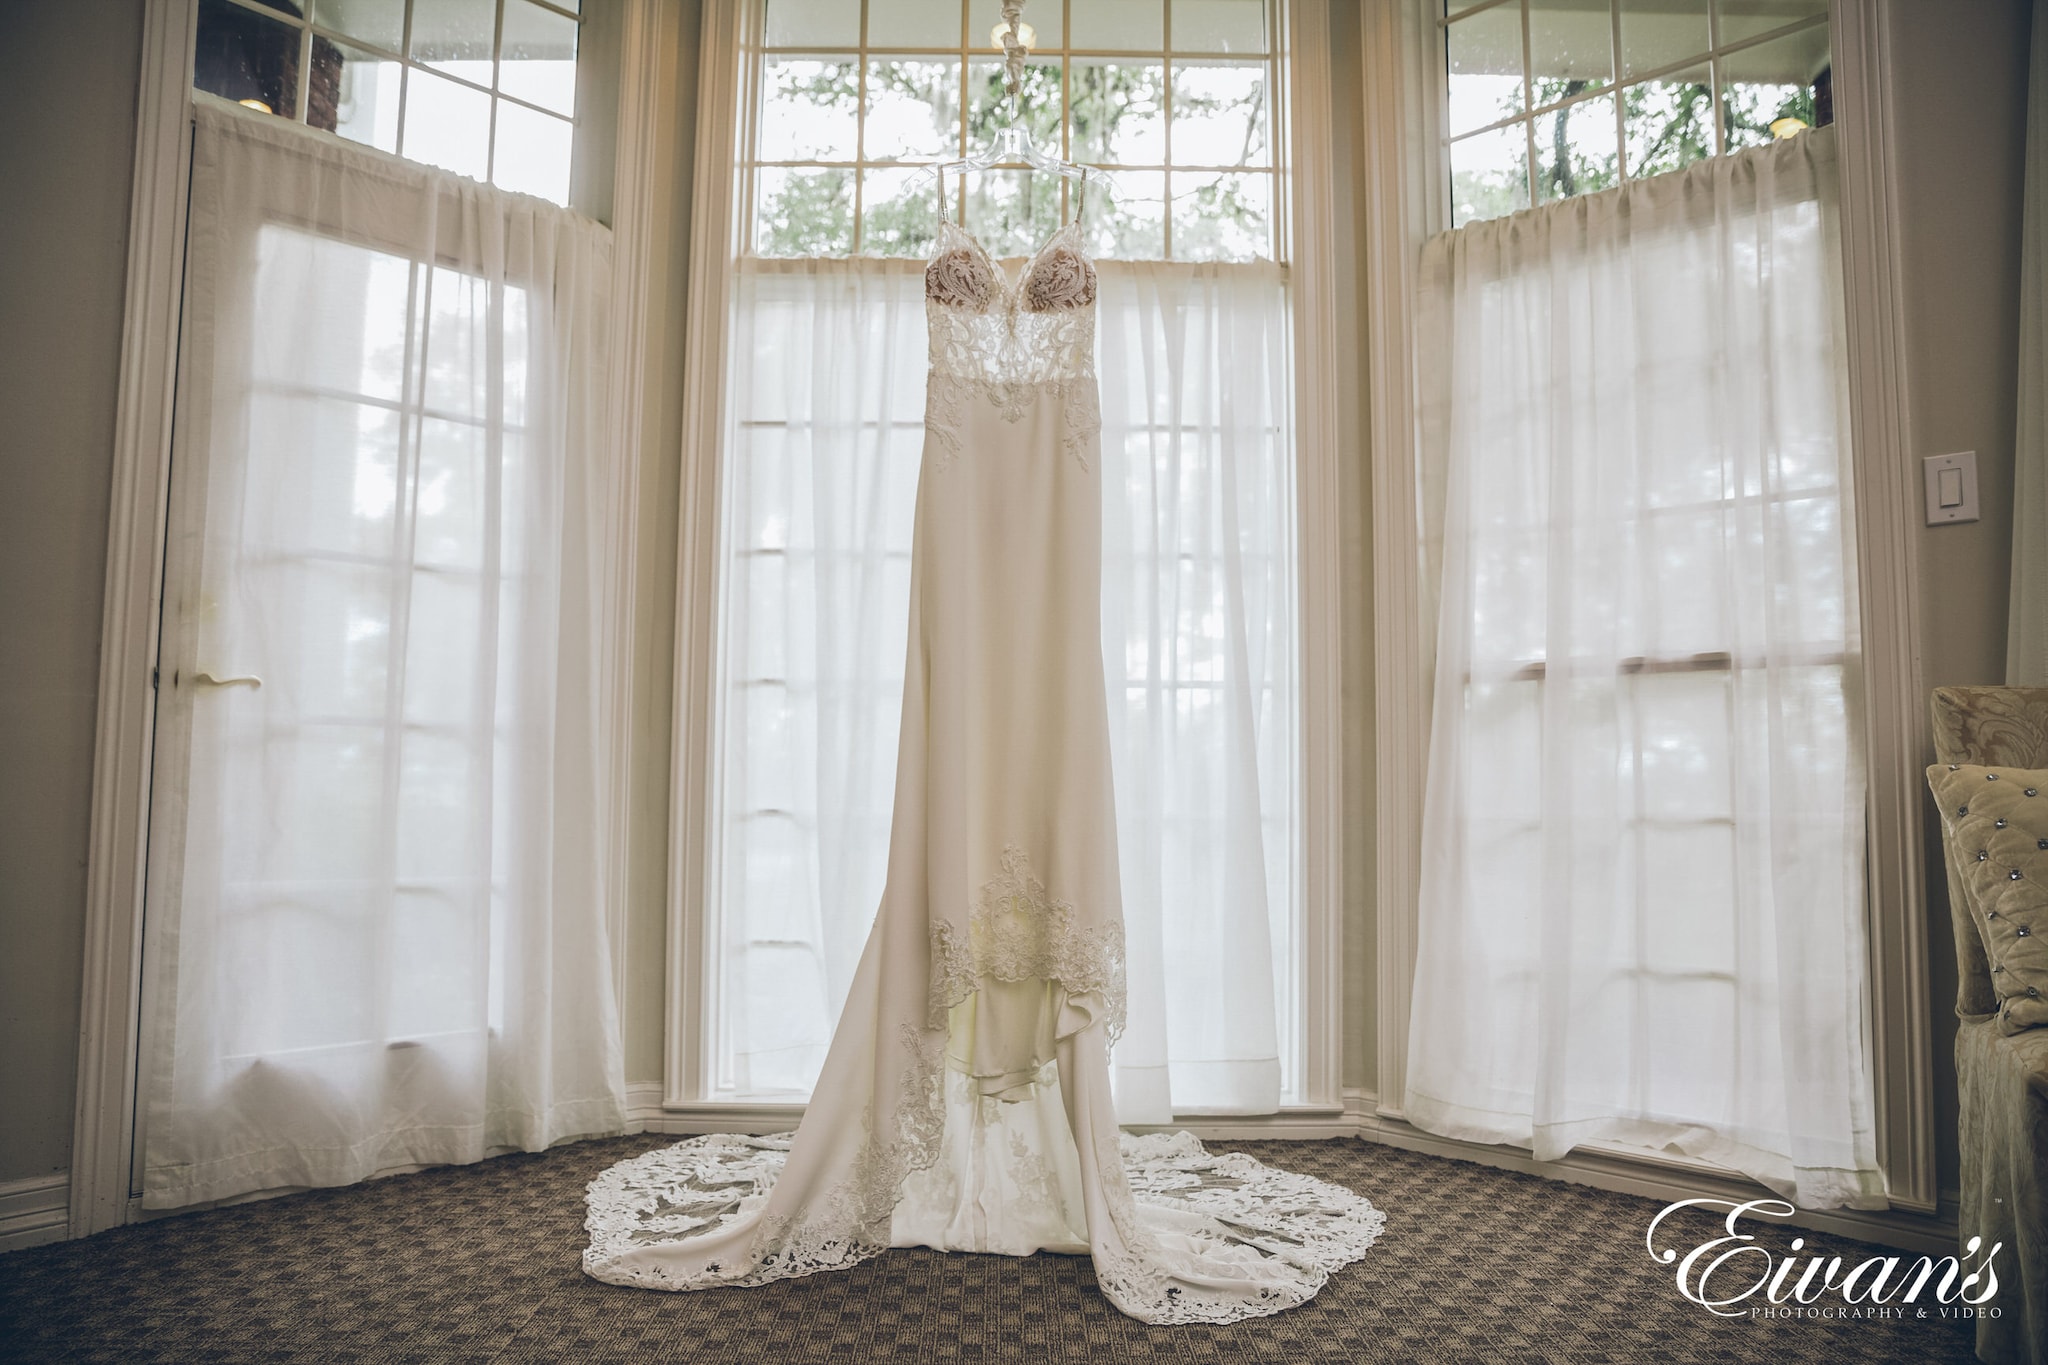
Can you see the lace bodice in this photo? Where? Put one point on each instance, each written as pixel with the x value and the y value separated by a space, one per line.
pixel 1007 343
pixel 1036 329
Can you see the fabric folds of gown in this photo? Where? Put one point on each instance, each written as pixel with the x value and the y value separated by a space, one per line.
pixel 965 1102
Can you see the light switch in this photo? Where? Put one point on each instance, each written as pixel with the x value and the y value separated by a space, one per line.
pixel 1951 488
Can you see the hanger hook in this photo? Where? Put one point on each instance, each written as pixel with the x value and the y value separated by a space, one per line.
pixel 1014 53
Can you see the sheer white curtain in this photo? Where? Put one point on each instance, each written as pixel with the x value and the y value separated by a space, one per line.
pixel 828 367
pixel 376 930
pixel 1642 896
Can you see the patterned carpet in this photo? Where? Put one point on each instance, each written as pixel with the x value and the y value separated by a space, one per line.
pixel 479 1263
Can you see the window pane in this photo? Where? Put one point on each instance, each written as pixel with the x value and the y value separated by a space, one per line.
pixel 803 212
pixel 988 104
pixel 533 152
pixel 539 57
pixel 1746 18
pixel 1120 25
pixel 366 99
pixel 807 110
pixel 247 57
pixel 913 23
pixel 380 22
pixel 1222 215
pixel 1485 76
pixel 1571 47
pixel 1670 122
pixel 1219 115
pixel 455 36
pixel 913 109
pixel 1769 90
pixel 813 23
pixel 1131 225
pixel 1012 212
pixel 899 211
pixel 1120 112
pixel 1575 150
pixel 1657 33
pixel 447 125
pixel 1489 175
pixel 1219 26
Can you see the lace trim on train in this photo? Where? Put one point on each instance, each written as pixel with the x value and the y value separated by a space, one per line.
pixel 699 1185
pixel 1282 1234
pixel 1019 931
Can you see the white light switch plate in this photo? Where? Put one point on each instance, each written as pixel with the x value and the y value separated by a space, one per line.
pixel 1951 487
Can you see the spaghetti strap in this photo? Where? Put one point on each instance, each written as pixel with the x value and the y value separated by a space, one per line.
pixel 940 171
pixel 1081 200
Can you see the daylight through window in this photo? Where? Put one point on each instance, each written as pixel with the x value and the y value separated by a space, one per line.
pixel 484 88
pixel 1551 98
pixel 1171 97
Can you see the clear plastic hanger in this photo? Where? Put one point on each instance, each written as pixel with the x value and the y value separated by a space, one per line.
pixel 1013 145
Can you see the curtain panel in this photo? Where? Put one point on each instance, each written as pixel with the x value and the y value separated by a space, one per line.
pixel 823 452
pixel 1641 913
pixel 377 913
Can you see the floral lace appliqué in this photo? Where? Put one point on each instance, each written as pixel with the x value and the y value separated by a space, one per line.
pixel 702 1184
pixel 1282 1234
pixel 1019 931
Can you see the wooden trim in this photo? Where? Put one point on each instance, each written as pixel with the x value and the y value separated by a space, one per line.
pixel 714 240
pixel 34 1211
pixel 1308 161
pixel 634 200
pixel 104 1123
pixel 102 1137
pixel 1887 494
pixel 1662 1176
pixel 1400 133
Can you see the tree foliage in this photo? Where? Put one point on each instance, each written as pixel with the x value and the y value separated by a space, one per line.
pixel 808 211
pixel 1669 125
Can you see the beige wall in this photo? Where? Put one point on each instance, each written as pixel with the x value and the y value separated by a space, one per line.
pixel 1960 100
pixel 67 100
pixel 655 616
pixel 1354 533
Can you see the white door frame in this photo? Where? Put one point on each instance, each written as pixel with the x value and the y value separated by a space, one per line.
pixel 104 1118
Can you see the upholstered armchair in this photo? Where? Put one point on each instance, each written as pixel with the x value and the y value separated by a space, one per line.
pixel 2001 1064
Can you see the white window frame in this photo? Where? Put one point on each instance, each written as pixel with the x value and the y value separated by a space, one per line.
pixel 310 28
pixel 1172 58
pixel 103 1129
pixel 1407 184
pixel 1305 227
pixel 1709 57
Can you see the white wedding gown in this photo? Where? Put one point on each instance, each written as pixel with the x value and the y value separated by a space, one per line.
pixel 965 1101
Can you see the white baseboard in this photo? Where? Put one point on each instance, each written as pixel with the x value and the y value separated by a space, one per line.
pixel 34 1211
pixel 1662 1176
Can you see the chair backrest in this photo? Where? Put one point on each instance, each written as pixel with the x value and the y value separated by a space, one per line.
pixel 2002 727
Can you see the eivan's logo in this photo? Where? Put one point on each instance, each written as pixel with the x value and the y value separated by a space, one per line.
pixel 1725 1274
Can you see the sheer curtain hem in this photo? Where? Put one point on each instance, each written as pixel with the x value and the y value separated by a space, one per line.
pixel 1809 1187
